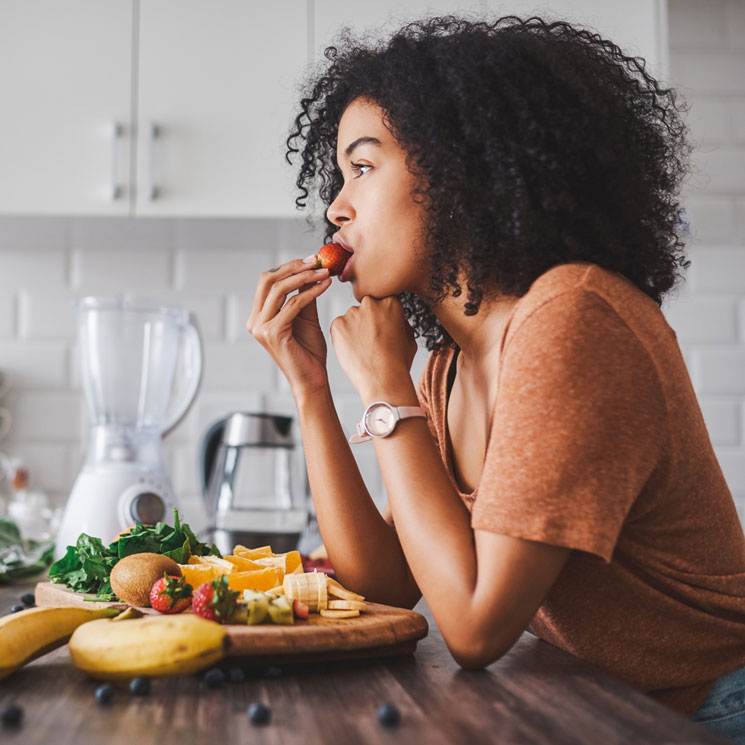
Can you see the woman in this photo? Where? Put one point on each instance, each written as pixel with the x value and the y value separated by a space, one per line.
pixel 510 190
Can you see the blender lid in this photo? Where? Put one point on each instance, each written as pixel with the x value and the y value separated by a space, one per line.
pixel 243 429
pixel 129 302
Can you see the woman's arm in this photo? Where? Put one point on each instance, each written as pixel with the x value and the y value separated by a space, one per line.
pixel 482 588
pixel 362 546
pixel 364 550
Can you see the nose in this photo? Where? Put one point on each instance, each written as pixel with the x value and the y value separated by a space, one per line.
pixel 340 210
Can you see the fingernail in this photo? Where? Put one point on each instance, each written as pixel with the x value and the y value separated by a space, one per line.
pixel 321 270
pixel 309 259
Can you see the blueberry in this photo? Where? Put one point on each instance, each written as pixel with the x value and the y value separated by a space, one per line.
pixel 104 693
pixel 28 599
pixel 140 686
pixel 258 713
pixel 214 678
pixel 236 675
pixel 389 715
pixel 273 671
pixel 12 715
pixel 16 608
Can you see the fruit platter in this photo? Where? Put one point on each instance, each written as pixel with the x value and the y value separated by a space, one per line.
pixel 172 611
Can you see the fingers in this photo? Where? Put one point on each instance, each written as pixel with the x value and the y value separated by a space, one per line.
pixel 293 307
pixel 269 277
pixel 280 289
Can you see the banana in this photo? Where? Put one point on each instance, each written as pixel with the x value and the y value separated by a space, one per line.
pixel 339 613
pixel 29 634
pixel 308 588
pixel 318 591
pixel 346 605
pixel 335 589
pixel 156 646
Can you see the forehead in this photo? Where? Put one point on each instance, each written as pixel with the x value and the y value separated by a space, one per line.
pixel 361 118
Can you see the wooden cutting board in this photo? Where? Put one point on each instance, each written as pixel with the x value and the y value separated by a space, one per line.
pixel 380 631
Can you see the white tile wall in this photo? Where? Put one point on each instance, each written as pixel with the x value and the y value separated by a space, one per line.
pixel 707 62
pixel 211 266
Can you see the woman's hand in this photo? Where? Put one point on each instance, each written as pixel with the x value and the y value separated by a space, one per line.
pixel 375 346
pixel 289 329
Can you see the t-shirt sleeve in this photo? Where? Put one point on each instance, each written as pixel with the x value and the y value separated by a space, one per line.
pixel 578 428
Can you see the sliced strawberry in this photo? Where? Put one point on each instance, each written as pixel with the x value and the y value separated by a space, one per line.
pixel 170 594
pixel 214 600
pixel 332 257
pixel 300 609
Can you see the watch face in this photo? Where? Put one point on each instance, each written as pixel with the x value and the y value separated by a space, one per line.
pixel 380 420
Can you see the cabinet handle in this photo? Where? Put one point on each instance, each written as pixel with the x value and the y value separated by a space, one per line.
pixel 115 190
pixel 153 131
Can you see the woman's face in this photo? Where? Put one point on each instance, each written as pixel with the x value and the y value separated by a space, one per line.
pixel 375 210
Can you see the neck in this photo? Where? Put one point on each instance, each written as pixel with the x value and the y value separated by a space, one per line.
pixel 477 336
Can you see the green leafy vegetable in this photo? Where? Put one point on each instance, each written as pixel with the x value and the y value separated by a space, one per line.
pixel 86 567
pixel 19 558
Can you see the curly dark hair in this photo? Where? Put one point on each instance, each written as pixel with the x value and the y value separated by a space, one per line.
pixel 540 141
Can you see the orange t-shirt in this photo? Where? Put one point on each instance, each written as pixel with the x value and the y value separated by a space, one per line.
pixel 598 444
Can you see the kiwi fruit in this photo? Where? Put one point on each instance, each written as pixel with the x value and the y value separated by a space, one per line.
pixel 133 577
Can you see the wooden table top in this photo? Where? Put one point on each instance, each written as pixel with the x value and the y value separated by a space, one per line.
pixel 534 694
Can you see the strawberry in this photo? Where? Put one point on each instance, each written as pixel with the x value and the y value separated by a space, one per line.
pixel 214 600
pixel 170 594
pixel 300 609
pixel 333 257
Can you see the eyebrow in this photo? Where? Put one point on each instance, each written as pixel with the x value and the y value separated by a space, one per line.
pixel 365 140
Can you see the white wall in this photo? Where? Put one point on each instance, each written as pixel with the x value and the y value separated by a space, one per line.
pixel 211 266
pixel 707 62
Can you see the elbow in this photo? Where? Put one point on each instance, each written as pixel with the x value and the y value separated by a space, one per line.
pixel 475 651
pixel 474 655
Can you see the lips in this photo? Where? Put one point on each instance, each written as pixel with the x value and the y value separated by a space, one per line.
pixel 344 276
pixel 342 243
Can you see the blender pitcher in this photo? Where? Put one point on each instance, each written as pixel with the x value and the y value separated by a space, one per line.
pixel 141 366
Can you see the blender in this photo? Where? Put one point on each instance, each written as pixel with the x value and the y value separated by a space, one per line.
pixel 141 366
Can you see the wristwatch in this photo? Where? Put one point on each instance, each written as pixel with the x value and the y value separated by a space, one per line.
pixel 380 419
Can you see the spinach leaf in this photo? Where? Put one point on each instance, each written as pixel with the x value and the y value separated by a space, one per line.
pixel 86 567
pixel 18 558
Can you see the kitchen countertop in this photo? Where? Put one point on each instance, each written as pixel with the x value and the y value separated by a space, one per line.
pixel 535 694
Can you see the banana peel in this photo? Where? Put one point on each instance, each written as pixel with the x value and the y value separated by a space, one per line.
pixel 29 634
pixel 155 646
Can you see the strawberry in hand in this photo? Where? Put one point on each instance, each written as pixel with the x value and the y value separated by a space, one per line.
pixel 333 257
pixel 214 600
pixel 170 594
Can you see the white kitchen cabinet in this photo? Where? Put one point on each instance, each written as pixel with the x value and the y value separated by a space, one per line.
pixel 84 92
pixel 182 107
pixel 217 91
pixel 65 87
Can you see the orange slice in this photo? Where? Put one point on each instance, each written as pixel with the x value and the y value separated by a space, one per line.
pixel 260 579
pixel 242 564
pixel 294 564
pixel 198 574
pixel 224 566
pixel 278 561
pixel 252 553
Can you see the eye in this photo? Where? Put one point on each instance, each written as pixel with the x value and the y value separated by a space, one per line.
pixel 357 169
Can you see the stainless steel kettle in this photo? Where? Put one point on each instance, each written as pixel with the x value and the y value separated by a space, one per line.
pixel 254 482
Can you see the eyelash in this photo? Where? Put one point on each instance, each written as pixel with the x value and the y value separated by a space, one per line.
pixel 356 168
